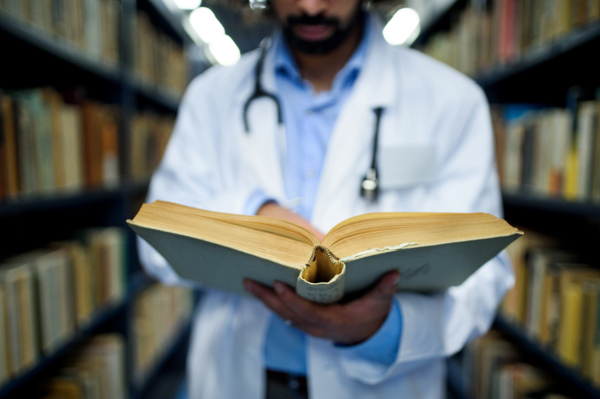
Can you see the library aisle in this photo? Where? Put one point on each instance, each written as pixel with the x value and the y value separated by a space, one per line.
pixel 89 93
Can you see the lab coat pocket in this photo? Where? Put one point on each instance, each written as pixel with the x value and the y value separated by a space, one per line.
pixel 407 166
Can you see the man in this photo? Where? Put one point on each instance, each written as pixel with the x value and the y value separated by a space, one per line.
pixel 331 69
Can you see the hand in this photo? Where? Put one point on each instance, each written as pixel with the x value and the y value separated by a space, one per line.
pixel 274 210
pixel 350 323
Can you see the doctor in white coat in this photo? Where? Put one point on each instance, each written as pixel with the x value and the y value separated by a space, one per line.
pixel 435 154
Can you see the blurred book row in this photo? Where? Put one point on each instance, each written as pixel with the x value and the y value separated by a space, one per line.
pixel 507 30
pixel 159 314
pixel 495 370
pixel 549 152
pixel 96 370
pixel 91 26
pixel 150 133
pixel 555 300
pixel 53 142
pixel 158 59
pixel 48 294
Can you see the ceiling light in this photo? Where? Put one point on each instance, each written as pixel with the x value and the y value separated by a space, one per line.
pixel 204 22
pixel 188 4
pixel 225 51
pixel 403 28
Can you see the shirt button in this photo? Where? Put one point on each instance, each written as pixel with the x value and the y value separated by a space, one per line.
pixel 311 173
pixel 310 112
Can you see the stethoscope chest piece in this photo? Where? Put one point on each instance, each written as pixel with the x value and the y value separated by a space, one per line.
pixel 369 188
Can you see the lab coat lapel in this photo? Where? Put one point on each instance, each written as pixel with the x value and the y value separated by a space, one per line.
pixel 352 137
pixel 262 117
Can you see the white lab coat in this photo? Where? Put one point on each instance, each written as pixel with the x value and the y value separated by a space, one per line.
pixel 207 165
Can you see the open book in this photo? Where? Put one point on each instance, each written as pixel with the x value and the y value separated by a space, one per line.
pixel 432 251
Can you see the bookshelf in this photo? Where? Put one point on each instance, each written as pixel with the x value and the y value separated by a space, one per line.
pixel 541 74
pixel 564 62
pixel 103 317
pixel 34 58
pixel 577 385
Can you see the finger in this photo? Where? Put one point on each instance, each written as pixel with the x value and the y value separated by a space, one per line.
pixel 383 291
pixel 307 311
pixel 270 299
pixel 387 285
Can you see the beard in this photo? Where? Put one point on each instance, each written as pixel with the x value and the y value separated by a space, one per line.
pixel 324 46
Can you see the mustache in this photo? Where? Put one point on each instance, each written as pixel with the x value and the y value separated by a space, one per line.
pixel 312 20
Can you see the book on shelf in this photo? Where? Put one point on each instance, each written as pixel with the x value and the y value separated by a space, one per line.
pixel 150 134
pixel 159 315
pixel 101 148
pixel 495 369
pixel 432 251
pixel 555 301
pixel 51 146
pixel 96 370
pixel 90 26
pixel 550 152
pixel 489 34
pixel 20 321
pixel 158 59
pixel 47 294
pixel 55 143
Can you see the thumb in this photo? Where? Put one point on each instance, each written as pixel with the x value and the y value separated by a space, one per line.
pixel 387 285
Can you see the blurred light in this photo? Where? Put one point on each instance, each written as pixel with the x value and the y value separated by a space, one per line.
pixel 225 50
pixel 403 28
pixel 207 25
pixel 188 4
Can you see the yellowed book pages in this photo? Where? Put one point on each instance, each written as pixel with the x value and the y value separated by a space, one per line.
pixel 432 251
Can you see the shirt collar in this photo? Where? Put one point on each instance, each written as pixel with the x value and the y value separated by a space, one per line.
pixel 285 65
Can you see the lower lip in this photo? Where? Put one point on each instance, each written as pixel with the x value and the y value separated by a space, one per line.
pixel 314 32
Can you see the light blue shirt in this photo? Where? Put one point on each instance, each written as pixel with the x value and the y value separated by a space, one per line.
pixel 310 118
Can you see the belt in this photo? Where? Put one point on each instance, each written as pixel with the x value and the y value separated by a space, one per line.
pixel 286 386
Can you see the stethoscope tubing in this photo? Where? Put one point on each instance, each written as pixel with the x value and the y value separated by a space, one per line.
pixel 369 188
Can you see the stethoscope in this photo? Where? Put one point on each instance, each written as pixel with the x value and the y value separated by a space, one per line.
pixel 369 187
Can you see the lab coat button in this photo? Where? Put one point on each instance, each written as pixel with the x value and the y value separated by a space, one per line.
pixel 311 173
